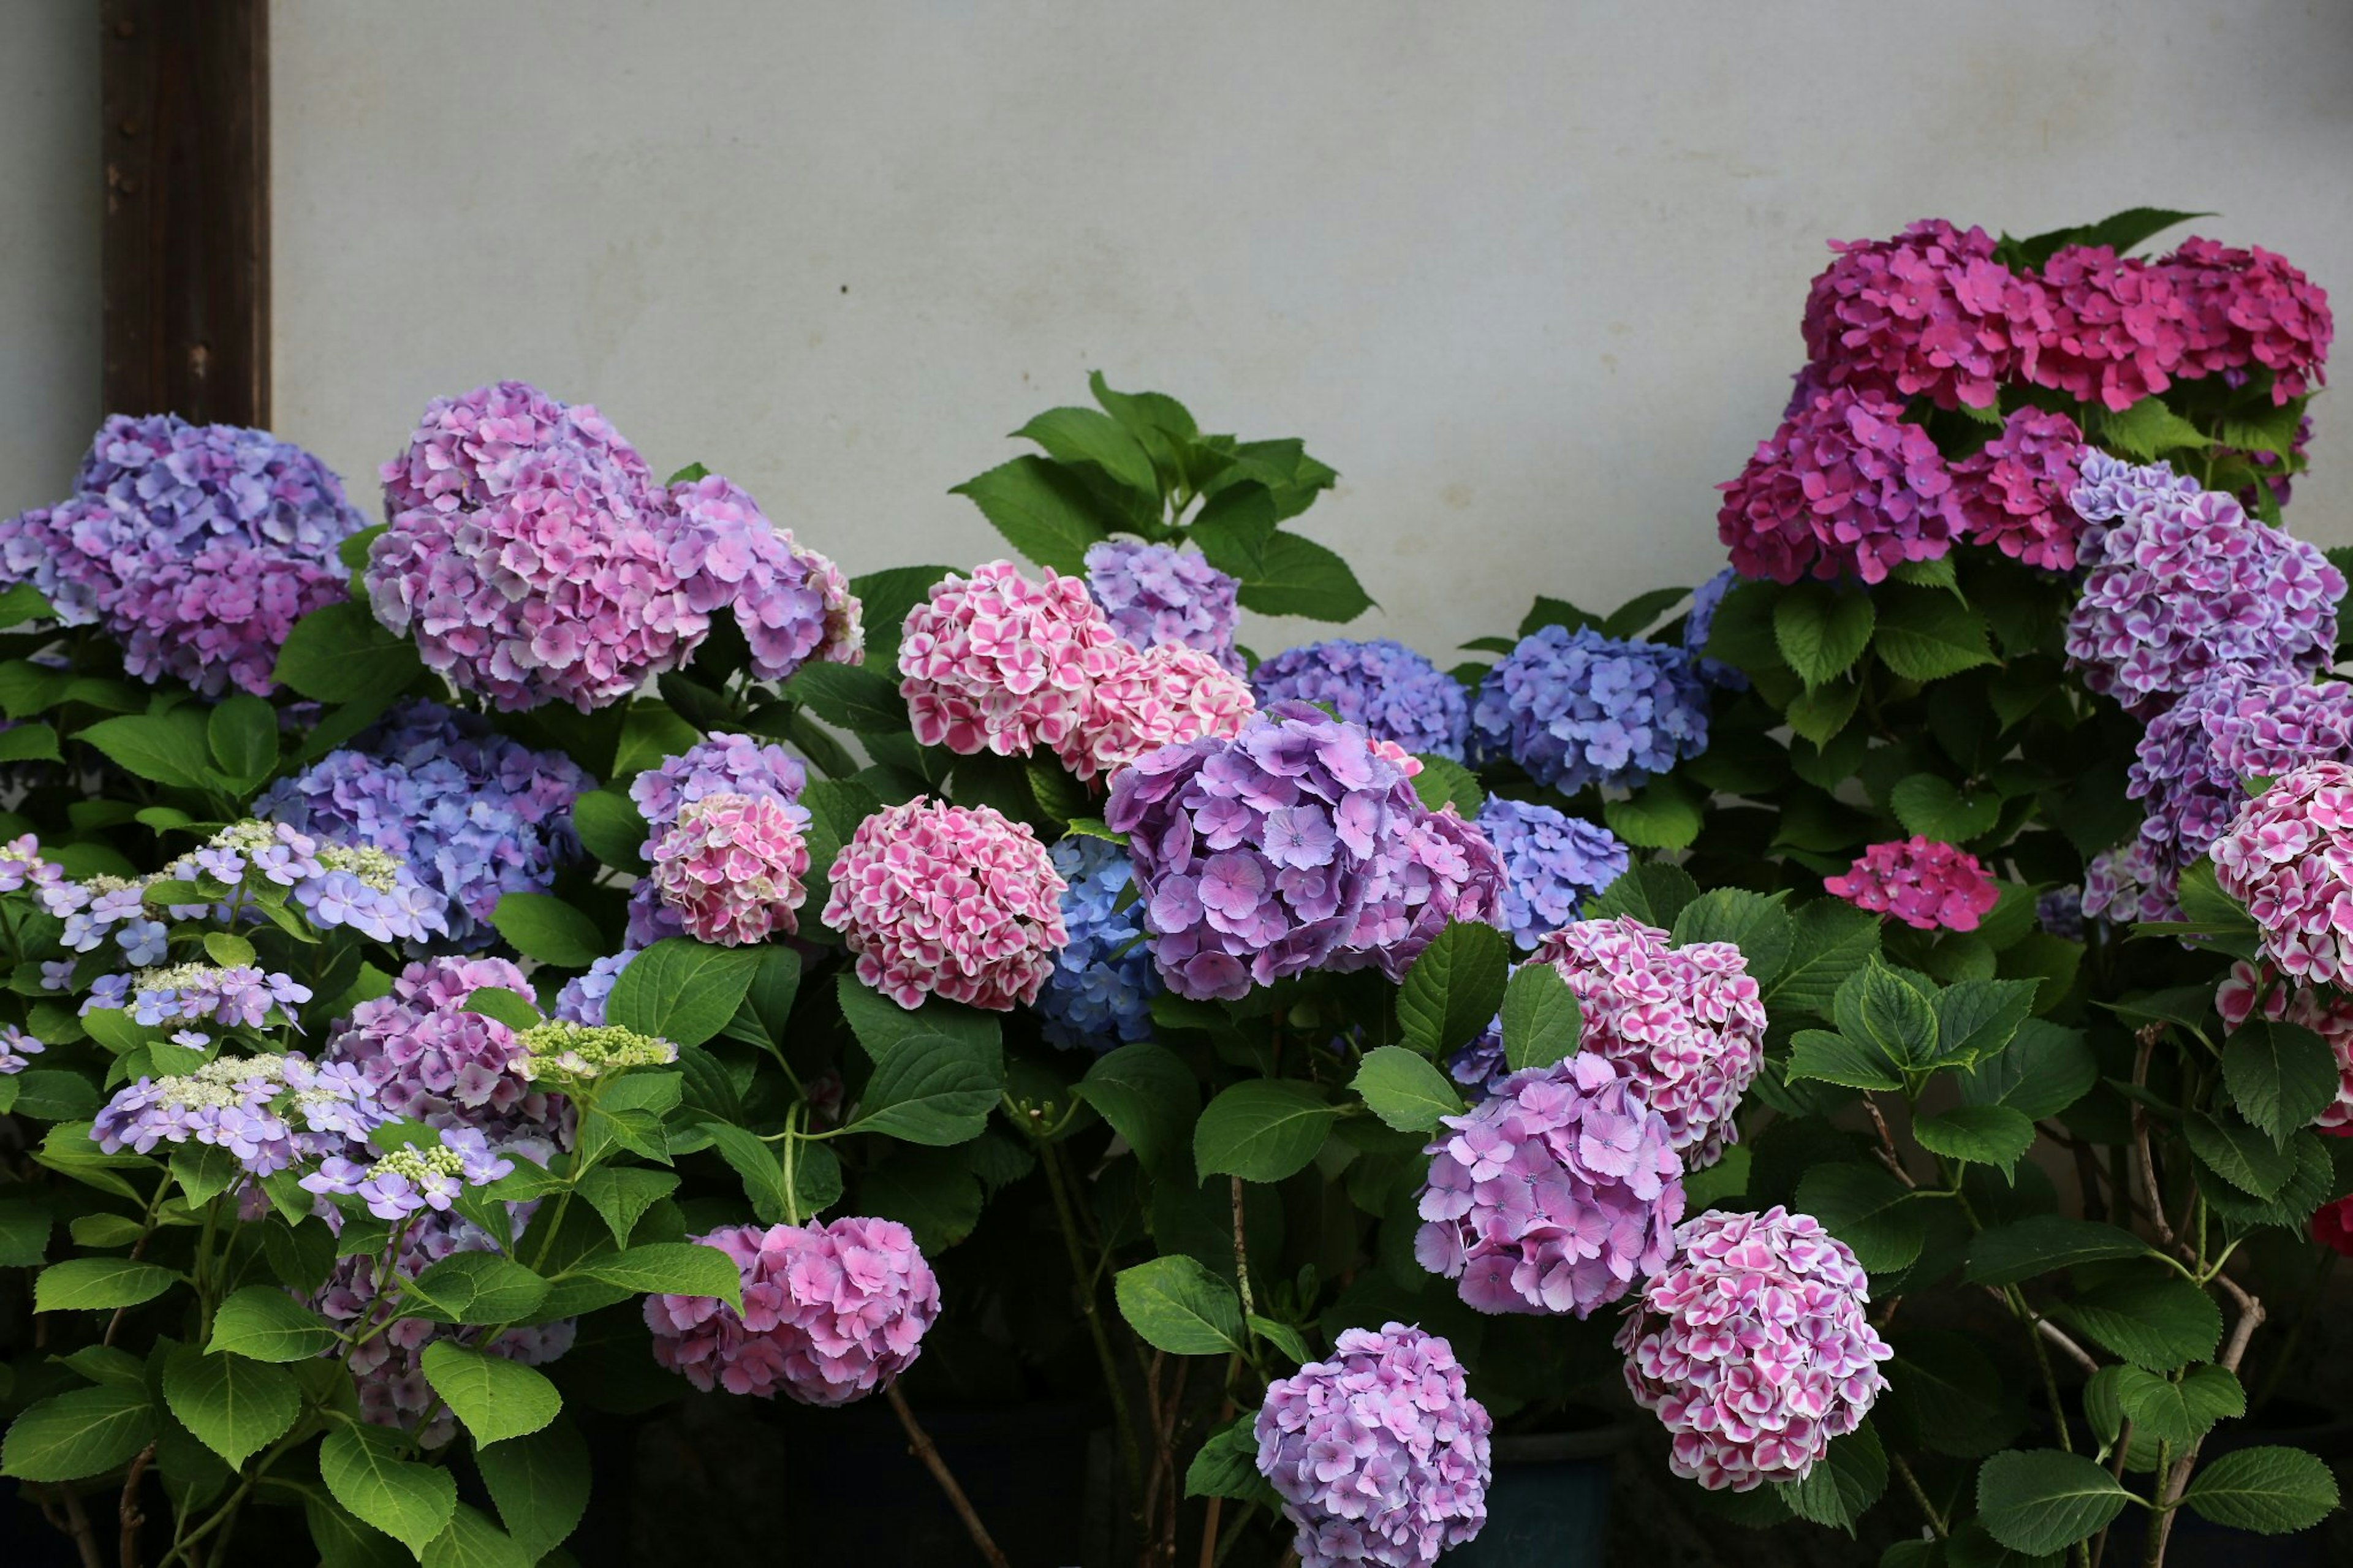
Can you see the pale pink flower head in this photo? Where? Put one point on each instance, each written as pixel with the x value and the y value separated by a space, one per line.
pixel 2251 988
pixel 1165 693
pixel 2288 857
pixel 732 866
pixel 1755 1348
pixel 949 901
pixel 997 663
pixel 1926 885
pixel 831 1312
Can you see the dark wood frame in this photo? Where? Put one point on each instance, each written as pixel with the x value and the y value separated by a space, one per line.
pixel 184 95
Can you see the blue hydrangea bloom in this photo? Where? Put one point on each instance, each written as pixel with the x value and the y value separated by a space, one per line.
pixel 1100 994
pixel 1552 862
pixel 1386 687
pixel 1576 708
pixel 1705 600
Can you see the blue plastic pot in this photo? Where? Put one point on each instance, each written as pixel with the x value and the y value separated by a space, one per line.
pixel 1548 1504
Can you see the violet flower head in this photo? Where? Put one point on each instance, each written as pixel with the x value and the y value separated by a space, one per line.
pixel 719 763
pixel 1100 994
pixel 1686 1025
pixel 2124 885
pixel 1926 885
pixel 732 867
pixel 2249 989
pixel 399 1184
pixel 1755 1349
pixel 227 996
pixel 949 901
pixel 1575 709
pixel 1392 691
pixel 2104 328
pixel 582 998
pixel 430 1060
pixel 832 1312
pixel 1379 1454
pixel 1153 593
pixel 1553 1194
pixel 17 1049
pixel 1552 863
pixel 792 603
pixel 2288 857
pixel 1845 488
pixel 1929 313
pixel 2250 309
pixel 2060 912
pixel 269 1112
pixel 1699 623
pixel 2014 493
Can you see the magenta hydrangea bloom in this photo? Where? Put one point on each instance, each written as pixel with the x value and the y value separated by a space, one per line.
pixel 2251 308
pixel 831 1312
pixel 733 867
pixel 1844 488
pixel 2185 581
pixel 1928 312
pixel 1552 1195
pixel 1755 1349
pixel 1165 694
pixel 997 663
pixel 1685 1023
pixel 719 763
pixel 2249 989
pixel 2104 328
pixel 1551 863
pixel 1379 1454
pixel 2287 856
pixel 2013 492
pixel 1153 594
pixel 792 603
pixel 949 901
pixel 1926 885
pixel 1390 690
pixel 429 1059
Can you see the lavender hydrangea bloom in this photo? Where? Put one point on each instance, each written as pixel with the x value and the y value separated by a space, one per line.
pixel 1394 692
pixel 1152 594
pixel 1700 624
pixel 399 1184
pixel 271 1112
pixel 229 997
pixel 721 764
pixel 1100 994
pixel 473 815
pixel 333 885
pixel 1551 863
pixel 1575 708
pixel 2125 884
pixel 1480 1065
pixel 582 998
pixel 430 1060
pixel 1379 1454
pixel 17 1049
pixel 1553 1194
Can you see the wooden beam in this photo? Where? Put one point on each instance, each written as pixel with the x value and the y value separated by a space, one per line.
pixel 184 89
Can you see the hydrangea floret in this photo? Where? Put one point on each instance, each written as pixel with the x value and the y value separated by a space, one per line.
pixel 1927 885
pixel 732 867
pixel 1552 862
pixel 578 1053
pixel 232 997
pixel 2014 491
pixel 1576 709
pixel 400 1182
pixel 1100 994
pixel 1154 594
pixel 269 1112
pixel 1845 488
pixel 1699 625
pixel 431 1058
pixel 720 764
pixel 997 663
pixel 17 1049
pixel 2287 856
pixel 1394 692
pixel 1928 313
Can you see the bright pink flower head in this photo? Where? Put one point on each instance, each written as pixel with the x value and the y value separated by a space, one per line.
pixel 732 866
pixel 2104 328
pixel 430 1060
pixel 831 1312
pixel 1754 1348
pixel 1553 1194
pixel 1926 312
pixel 2331 1019
pixel 951 900
pixel 2288 857
pixel 1845 487
pixel 2013 492
pixel 997 663
pixel 1165 693
pixel 1926 885
pixel 1685 1023
pixel 2252 308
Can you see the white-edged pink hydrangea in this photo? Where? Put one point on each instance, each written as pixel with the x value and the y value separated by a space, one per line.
pixel 2288 857
pixel 997 663
pixel 732 867
pixel 1164 693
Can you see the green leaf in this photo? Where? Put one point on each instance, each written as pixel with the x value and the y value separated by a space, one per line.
pixel 1640 613
pixel 1932 807
pixel 495 1397
pixel 168 748
pixel 758 1165
pixel 1453 988
pixel 1150 1098
pixel 668 1268
pixel 264 1323
pixel 1044 511
pixel 1404 1090
pixel 1926 635
pixel 363 1471
pixel 934 1193
pixel 883 1028
pixel 1843 1483
pixel 498 1002
pixel 478 1287
pixel 1085 436
pixel 1542 1021
pixel 23 604
pixel 1655 895
pixel 1977 1018
pixel 1300 577
pixel 1831 941
pixel 342 654
pixel 610 827
pixel 1755 923
pixel 85 1433
pixel 2160 1321
pixel 1261 1130
pixel 680 990
pixel 2039 1501
pixel 243 737
pixel 2280 1076
pixel 549 929
pixel 235 1406
pixel 2150 429
pixel 1233 529
pixel 29 743
pixel 1822 629
pixel 1444 782
pixel 344 1542
pixel 933 1089
pixel 622 1193
pixel 850 696
pixel 24 1227
pixel 1826 1056
pixel 1992 1135
pixel 2128 231
pixel 541 1484
pixel 471 1540
pixel 2309 1186
pixel 2268 1491
pixel 2240 1154
pixel 1662 814
pixel 2043 1070
pixel 1549 612
pixel 1879 1005
pixel 1822 714
pixel 83 1284
pixel 2043 1244
pixel 1227 1466
pixel 1175 1304
pixel 1869 1210
pixel 2179 1413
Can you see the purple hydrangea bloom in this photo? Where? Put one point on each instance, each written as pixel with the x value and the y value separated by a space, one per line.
pixel 792 603
pixel 1152 593
pixel 1699 623
pixel 472 814
pixel 1551 863
pixel 2125 884
pixel 1480 1065
pixel 17 1049
pixel 431 1060
pixel 2060 912
pixel 271 1112
pixel 399 1184
pixel 1380 1455
pixel 333 884
pixel 1553 1194
pixel 229 997
pixel 721 764
pixel 1100 994
pixel 582 998
pixel 1575 708
pixel 1394 692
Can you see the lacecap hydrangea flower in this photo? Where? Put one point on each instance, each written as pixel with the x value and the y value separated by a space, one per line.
pixel 1926 885
pixel 1554 1194
pixel 1379 1454
pixel 1392 691
pixel 399 1184
pixel 1845 488
pixel 1100 994
pixel 732 866
pixel 1699 623
pixel 269 1112
pixel 225 995
pixel 2014 491
pixel 1552 862
pixel 1926 313
pixel 832 1312
pixel 471 814
pixel 1686 1025
pixel 2249 989
pixel 1153 593
pixel 1576 708
pixel 949 901
pixel 331 884
pixel 2287 856
pixel 429 1059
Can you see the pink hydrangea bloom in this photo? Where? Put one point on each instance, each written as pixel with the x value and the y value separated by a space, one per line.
pixel 1164 693
pixel 950 900
pixel 1686 1023
pixel 2330 1017
pixel 1380 1455
pixel 2013 492
pixel 1440 868
pixel 1926 885
pixel 1552 1195
pixel 1845 487
pixel 831 1312
pixel 218 619
pixel 2105 327
pixel 732 867
pixel 2251 308
pixel 2287 856
pixel 428 1059
pixel 792 603
pixel 1926 312
pixel 997 663
pixel 1754 1348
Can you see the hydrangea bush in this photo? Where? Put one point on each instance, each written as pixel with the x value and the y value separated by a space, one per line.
pixel 598 955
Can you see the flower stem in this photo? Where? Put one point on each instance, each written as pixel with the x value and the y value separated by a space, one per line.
pixel 1082 1281
pixel 919 1443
